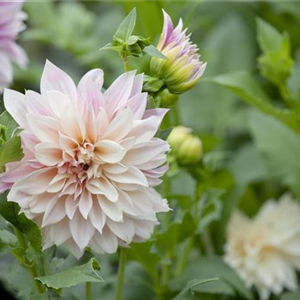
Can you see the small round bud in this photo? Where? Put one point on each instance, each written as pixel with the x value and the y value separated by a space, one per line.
pixel 186 147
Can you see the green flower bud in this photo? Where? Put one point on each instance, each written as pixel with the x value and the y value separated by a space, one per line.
pixel 186 147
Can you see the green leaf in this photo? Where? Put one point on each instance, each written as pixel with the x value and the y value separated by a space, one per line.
pixel 268 37
pixel 229 282
pixel 293 81
pixel 188 292
pixel 10 151
pixel 8 241
pixel 209 208
pixel 152 84
pixel 143 253
pixel 179 230
pixel 10 211
pixel 125 29
pixel 154 52
pixel 73 276
pixel 163 134
pixel 280 147
pixel 275 62
pixel 7 120
pixel 244 85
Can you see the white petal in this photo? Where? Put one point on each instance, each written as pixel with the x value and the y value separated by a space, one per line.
pixel 14 103
pixel 124 231
pixel 120 126
pixel 131 176
pixel 81 230
pixel 44 128
pixel 89 90
pixel 111 209
pixel 85 203
pixel 36 182
pixel 97 217
pixel 55 212
pixel 48 154
pixel 54 79
pixel 109 151
pixel 119 91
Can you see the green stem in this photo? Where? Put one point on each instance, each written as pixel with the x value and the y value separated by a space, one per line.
pixel 126 64
pixel 122 262
pixel 32 270
pixel 185 257
pixel 88 291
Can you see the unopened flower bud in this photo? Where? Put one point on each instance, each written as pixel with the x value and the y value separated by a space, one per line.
pixel 186 147
pixel 182 69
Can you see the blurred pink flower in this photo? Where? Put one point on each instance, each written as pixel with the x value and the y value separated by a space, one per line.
pixel 182 69
pixel 11 24
pixel 91 160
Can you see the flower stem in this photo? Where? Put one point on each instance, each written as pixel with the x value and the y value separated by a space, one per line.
pixel 122 262
pixel 32 270
pixel 88 291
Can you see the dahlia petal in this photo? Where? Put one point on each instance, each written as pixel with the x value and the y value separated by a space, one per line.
pixel 6 71
pixel 57 183
pixel 120 126
pixel 106 241
pixel 126 204
pixel 71 206
pixel 102 186
pixel 14 103
pixel 131 176
pixel 72 123
pixel 44 128
pixel 145 152
pixel 73 247
pixel 137 104
pixel 119 92
pixel 39 203
pixel 36 182
pixel 109 151
pixel 137 85
pixel 54 79
pixel 36 104
pixel 125 231
pixel 89 90
pixel 55 212
pixel 115 168
pixel 57 101
pixel 97 217
pixel 85 203
pixel 48 154
pixel 61 232
pixel 111 209
pixel 81 230
pixel 16 53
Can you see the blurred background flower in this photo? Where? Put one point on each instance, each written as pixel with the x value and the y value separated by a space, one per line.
pixel 11 24
pixel 265 251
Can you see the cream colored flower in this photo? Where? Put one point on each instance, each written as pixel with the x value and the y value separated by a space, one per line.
pixel 265 251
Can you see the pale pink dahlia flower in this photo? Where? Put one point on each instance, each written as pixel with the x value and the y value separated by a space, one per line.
pixel 11 23
pixel 182 69
pixel 91 160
